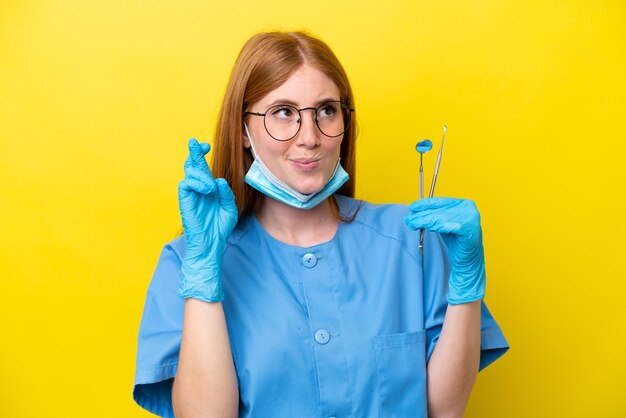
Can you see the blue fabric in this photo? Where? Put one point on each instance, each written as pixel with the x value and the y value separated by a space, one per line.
pixel 342 329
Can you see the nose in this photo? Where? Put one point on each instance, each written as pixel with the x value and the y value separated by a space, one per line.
pixel 309 134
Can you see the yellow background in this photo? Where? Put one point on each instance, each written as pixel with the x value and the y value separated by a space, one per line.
pixel 98 99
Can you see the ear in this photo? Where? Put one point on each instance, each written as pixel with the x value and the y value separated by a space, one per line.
pixel 244 138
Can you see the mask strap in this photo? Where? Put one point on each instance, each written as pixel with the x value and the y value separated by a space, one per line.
pixel 250 139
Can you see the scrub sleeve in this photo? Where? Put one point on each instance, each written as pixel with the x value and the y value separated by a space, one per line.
pixel 159 336
pixel 492 342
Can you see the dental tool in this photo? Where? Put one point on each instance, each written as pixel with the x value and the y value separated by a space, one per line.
pixel 422 147
pixel 432 186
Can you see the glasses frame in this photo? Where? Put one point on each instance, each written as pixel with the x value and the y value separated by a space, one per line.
pixel 347 118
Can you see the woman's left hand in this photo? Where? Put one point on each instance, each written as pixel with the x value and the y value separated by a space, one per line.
pixel 458 221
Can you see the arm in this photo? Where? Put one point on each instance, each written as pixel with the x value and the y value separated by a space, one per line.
pixel 453 366
pixel 455 361
pixel 205 383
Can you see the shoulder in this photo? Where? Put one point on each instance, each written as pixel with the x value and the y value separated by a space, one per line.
pixel 165 277
pixel 175 249
pixel 382 222
pixel 386 219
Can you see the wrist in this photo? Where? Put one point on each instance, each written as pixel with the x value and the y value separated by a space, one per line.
pixel 466 287
pixel 203 283
pixel 200 274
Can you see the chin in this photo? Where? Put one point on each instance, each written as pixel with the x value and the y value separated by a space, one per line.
pixel 308 188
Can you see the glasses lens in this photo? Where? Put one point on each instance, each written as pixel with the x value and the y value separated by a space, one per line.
pixel 282 121
pixel 330 118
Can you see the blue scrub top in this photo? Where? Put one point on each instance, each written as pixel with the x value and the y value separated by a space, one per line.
pixel 340 329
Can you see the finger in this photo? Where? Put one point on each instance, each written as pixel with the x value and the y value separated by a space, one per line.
pixel 434 203
pixel 199 175
pixel 184 190
pixel 189 162
pixel 196 155
pixel 205 150
pixel 432 223
pixel 226 194
pixel 189 185
pixel 443 213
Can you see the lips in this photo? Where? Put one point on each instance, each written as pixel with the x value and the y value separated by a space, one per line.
pixel 305 164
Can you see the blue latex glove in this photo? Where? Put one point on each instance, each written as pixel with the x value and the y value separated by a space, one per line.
pixel 458 221
pixel 209 215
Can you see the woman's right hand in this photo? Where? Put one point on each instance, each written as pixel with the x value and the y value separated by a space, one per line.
pixel 209 215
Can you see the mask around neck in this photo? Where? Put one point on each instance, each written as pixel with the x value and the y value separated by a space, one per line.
pixel 262 179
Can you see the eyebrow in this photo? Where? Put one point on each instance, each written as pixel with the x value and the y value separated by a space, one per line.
pixel 294 104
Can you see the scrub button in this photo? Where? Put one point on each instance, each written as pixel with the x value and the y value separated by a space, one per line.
pixel 309 260
pixel 322 336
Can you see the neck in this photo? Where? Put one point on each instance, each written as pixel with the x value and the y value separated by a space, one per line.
pixel 299 227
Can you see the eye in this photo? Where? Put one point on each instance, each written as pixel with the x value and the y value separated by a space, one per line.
pixel 328 110
pixel 282 112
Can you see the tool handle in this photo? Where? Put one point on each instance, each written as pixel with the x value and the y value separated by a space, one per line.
pixel 432 186
pixel 421 183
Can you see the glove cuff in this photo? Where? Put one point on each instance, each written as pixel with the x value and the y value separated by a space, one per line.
pixel 465 290
pixel 203 283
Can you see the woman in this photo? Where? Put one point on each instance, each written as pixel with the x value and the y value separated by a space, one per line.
pixel 286 297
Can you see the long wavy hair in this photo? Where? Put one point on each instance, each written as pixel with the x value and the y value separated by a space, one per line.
pixel 265 62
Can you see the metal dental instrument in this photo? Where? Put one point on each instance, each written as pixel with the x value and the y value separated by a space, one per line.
pixel 434 182
pixel 422 147
pixel 432 186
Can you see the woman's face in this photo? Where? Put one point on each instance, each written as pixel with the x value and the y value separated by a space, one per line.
pixel 308 160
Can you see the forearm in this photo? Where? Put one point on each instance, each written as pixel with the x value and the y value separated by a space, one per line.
pixel 453 366
pixel 205 383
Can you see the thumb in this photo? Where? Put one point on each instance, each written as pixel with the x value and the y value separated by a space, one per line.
pixel 227 198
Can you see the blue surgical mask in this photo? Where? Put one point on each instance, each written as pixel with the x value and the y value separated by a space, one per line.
pixel 262 179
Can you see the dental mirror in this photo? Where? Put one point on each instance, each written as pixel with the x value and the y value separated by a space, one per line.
pixel 422 147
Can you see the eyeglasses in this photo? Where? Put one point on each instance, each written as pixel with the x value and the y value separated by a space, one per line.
pixel 282 122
